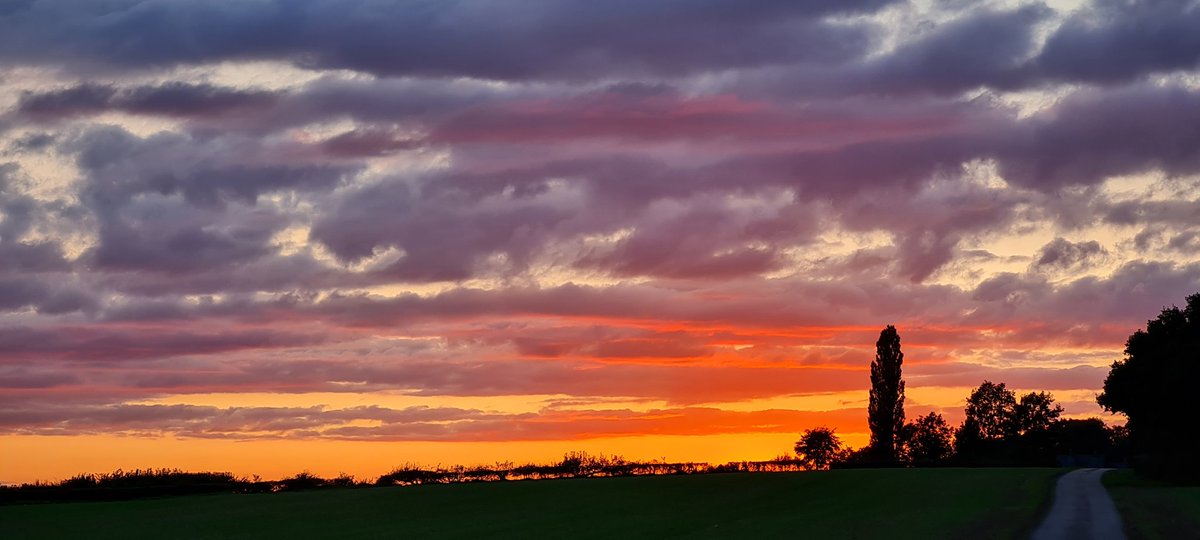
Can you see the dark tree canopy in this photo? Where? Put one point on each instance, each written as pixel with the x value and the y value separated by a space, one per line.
pixel 885 414
pixel 1087 436
pixel 1155 387
pixel 990 411
pixel 1035 413
pixel 818 448
pixel 927 441
pixel 1001 429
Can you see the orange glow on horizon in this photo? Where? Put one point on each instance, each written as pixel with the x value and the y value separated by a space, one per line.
pixel 56 458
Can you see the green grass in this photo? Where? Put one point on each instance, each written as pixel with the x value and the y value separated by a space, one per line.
pixel 895 503
pixel 1153 510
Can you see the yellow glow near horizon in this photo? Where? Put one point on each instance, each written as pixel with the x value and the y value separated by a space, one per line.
pixel 45 458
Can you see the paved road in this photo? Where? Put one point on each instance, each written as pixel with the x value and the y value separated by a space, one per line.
pixel 1082 510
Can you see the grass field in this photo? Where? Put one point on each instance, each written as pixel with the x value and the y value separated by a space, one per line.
pixel 892 503
pixel 1152 510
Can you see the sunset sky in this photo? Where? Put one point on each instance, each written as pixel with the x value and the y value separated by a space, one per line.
pixel 264 236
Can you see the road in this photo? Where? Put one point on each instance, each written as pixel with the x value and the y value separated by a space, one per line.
pixel 1082 510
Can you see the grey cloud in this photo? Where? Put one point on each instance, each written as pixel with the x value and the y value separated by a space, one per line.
pixel 444 234
pixel 205 171
pixel 32 142
pixel 1093 135
pixel 174 99
pixel 23 378
pixel 103 345
pixel 981 49
pixel 163 235
pixel 460 38
pixel 17 293
pixel 1173 212
pixel 1116 40
pixel 1185 242
pixel 1062 254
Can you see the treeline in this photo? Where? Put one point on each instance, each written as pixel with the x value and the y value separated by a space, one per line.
pixel 1000 430
pixel 1154 386
pixel 150 483
pixel 139 483
pixel 572 465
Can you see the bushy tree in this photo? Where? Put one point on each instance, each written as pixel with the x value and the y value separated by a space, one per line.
pixel 885 413
pixel 1087 436
pixel 1032 440
pixel 927 441
pixel 1154 386
pixel 990 411
pixel 818 448
pixel 1035 413
pixel 999 429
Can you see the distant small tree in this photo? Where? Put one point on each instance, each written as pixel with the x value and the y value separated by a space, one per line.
pixel 885 412
pixel 927 441
pixel 818 448
pixel 1154 386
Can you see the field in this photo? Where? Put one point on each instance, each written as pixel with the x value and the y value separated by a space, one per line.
pixel 1155 511
pixel 892 503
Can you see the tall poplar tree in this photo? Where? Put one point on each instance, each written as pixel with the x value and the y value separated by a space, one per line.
pixel 885 414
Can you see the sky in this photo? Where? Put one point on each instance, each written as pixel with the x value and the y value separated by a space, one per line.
pixel 267 236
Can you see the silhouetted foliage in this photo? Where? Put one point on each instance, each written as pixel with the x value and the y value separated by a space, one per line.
pixel 990 410
pixel 1034 415
pixel 302 481
pixel 980 440
pixel 927 442
pixel 859 458
pixel 885 413
pixel 572 465
pixel 342 480
pixel 999 429
pixel 121 484
pixel 1089 436
pixel 818 448
pixel 1154 386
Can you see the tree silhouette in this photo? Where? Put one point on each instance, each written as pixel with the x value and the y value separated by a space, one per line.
pixel 990 410
pixel 818 448
pixel 1034 413
pixel 1087 436
pixel 927 441
pixel 999 429
pixel 885 414
pixel 1032 439
pixel 1154 386
pixel 980 440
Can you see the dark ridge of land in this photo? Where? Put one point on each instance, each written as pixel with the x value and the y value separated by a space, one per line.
pixel 861 503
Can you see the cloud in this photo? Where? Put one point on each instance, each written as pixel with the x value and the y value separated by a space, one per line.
pixel 462 38
pixel 99 344
pixel 18 293
pixel 1111 41
pixel 984 49
pixel 207 172
pixel 1062 254
pixel 172 99
pixel 408 424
